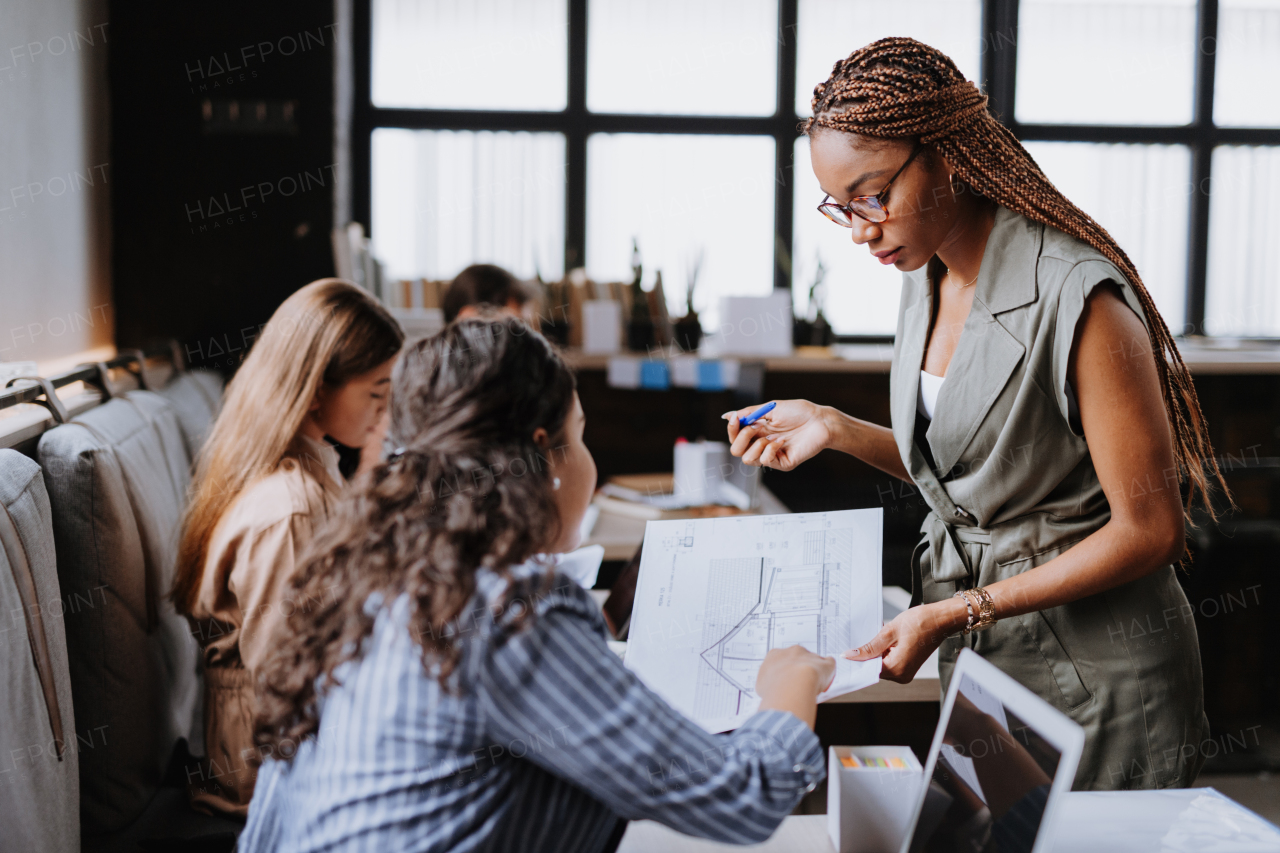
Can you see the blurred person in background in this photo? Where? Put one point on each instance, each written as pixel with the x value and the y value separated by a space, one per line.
pixel 481 286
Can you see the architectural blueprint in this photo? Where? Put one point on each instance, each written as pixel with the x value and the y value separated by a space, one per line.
pixel 715 595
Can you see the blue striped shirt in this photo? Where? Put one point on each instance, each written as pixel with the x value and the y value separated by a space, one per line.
pixel 544 742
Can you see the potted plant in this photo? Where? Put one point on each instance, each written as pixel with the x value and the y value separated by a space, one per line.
pixel 688 329
pixel 555 321
pixel 640 325
pixel 816 332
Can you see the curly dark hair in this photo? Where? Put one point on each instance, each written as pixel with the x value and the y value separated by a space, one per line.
pixel 466 488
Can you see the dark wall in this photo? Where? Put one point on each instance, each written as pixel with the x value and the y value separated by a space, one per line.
pixel 223 160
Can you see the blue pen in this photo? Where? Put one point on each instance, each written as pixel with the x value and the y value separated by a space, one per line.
pixel 756 415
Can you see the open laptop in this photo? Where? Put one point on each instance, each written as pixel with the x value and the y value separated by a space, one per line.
pixel 1000 762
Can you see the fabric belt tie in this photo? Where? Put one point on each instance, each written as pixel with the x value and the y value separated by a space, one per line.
pixel 954 550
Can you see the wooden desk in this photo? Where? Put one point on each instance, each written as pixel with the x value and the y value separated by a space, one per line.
pixel 621 535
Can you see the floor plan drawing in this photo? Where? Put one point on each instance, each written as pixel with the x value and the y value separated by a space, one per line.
pixel 716 595
pixel 788 611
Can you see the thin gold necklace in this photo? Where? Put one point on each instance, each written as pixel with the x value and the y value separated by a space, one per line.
pixel 966 284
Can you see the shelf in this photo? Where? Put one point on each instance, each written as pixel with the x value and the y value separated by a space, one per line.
pixel 1202 358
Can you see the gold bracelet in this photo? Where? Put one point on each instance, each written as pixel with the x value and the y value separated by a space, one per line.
pixel 968 605
pixel 982 610
pixel 986 609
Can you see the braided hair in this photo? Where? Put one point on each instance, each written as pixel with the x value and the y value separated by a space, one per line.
pixel 897 87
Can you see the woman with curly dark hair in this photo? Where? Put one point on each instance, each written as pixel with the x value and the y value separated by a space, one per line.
pixel 445 688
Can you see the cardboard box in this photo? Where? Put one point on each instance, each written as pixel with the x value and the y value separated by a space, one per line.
pixel 868 807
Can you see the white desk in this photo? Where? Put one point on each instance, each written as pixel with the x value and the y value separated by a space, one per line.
pixel 807 833
pixel 1088 822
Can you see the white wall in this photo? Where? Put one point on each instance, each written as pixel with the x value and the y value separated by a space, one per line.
pixel 55 179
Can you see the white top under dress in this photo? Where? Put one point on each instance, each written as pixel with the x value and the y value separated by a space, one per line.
pixel 930 387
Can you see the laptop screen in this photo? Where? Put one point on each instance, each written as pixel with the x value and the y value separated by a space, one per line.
pixel 991 781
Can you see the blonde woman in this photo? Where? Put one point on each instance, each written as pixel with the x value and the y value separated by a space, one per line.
pixel 319 373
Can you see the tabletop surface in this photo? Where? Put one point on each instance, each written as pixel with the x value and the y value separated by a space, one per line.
pixel 798 833
pixel 1190 819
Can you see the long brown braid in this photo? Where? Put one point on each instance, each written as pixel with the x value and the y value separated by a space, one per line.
pixel 898 87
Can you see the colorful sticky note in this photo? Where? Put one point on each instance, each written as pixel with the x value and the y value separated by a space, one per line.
pixel 655 375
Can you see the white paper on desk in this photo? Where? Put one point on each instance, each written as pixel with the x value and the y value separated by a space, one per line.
pixel 1159 821
pixel 715 594
pixel 1213 823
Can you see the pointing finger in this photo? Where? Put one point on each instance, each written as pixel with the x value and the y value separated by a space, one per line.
pixel 873 649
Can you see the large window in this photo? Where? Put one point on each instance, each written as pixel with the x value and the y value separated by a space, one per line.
pixel 549 134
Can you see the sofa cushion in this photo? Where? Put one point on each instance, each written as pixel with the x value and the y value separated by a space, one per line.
pixel 117 478
pixel 196 397
pixel 40 791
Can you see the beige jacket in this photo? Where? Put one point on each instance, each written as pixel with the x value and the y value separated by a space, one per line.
pixel 243 595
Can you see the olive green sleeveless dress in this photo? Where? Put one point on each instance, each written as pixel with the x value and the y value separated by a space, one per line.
pixel 1011 485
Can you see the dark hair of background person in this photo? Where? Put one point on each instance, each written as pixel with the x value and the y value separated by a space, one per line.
pixel 466 488
pixel 324 335
pixel 483 284
pixel 899 88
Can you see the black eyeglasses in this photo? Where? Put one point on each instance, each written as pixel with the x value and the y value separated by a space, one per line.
pixel 869 207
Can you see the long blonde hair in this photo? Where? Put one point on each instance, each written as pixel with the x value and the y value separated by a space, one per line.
pixel 324 334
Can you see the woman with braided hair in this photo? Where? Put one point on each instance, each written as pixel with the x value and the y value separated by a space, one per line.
pixel 1039 405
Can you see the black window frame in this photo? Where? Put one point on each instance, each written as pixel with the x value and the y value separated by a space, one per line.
pixel 999 81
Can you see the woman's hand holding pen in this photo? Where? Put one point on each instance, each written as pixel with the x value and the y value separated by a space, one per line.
pixel 795 430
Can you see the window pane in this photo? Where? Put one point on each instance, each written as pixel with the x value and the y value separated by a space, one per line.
pixel 1248 56
pixel 1106 61
pixel 1243 291
pixel 445 199
pixel 1141 195
pixel 678 196
pixel 470 54
pixel 682 57
pixel 861 293
pixel 830 30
